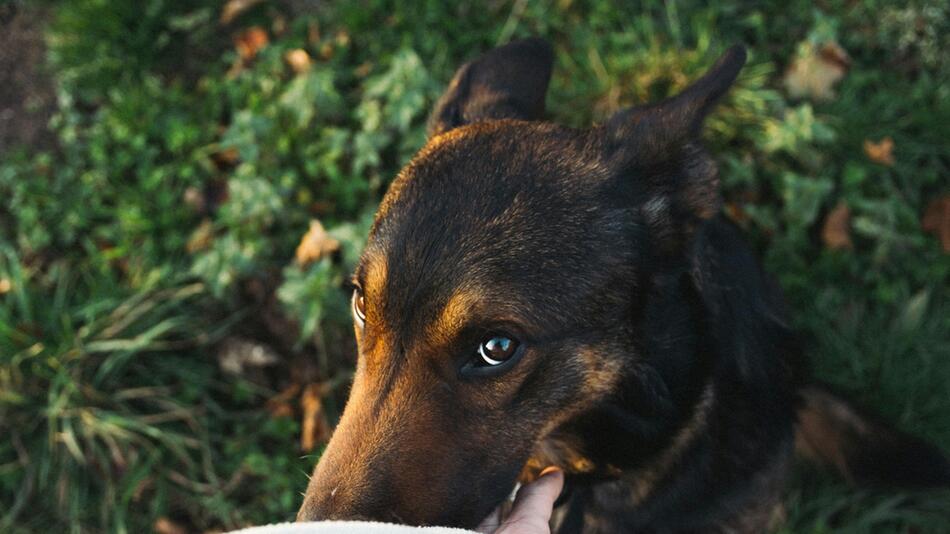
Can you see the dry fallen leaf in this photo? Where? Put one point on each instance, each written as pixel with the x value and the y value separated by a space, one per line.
pixel 313 33
pixel 836 232
pixel 936 220
pixel 250 41
pixel 236 353
pixel 735 212
pixel 233 8
pixel 5 285
pixel 315 244
pixel 279 25
pixel 298 59
pixel 279 405
pixel 201 238
pixel 363 69
pixel 194 199
pixel 164 525
pixel 326 51
pixel 226 158
pixel 881 152
pixel 342 38
pixel 816 70
pixel 316 429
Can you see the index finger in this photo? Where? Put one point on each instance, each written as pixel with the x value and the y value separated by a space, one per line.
pixel 535 501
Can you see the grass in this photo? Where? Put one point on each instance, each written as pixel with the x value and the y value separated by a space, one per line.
pixel 159 227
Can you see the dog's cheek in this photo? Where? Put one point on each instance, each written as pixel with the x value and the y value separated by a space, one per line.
pixel 603 367
pixel 587 375
pixel 596 372
pixel 503 393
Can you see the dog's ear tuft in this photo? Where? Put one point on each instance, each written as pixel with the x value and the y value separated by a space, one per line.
pixel 661 140
pixel 654 130
pixel 509 82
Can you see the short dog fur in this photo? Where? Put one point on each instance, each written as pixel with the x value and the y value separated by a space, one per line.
pixel 654 361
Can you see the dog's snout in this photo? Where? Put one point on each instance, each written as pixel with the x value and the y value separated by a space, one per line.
pixel 334 502
pixel 316 507
pixel 310 511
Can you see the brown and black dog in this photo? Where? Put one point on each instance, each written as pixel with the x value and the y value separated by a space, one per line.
pixel 532 295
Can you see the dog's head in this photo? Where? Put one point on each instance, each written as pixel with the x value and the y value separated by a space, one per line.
pixel 499 292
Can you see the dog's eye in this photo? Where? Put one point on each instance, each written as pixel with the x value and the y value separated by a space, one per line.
pixel 497 349
pixel 359 306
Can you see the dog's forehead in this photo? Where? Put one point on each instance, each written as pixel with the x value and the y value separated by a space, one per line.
pixel 495 164
pixel 489 190
pixel 500 207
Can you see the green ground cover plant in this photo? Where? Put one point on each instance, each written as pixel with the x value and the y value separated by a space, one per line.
pixel 173 341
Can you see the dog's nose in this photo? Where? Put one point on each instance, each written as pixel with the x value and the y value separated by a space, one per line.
pixel 334 502
pixel 313 508
pixel 321 504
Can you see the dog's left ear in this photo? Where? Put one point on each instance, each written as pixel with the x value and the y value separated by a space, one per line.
pixel 660 144
pixel 508 82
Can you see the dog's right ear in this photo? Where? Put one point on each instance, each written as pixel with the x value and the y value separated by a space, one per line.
pixel 660 144
pixel 509 82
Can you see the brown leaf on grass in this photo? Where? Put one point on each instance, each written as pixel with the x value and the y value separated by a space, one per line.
pixel 298 59
pixel 225 159
pixel 201 238
pixel 142 486
pixel 234 8
pixel 164 525
pixel 816 70
pixel 237 353
pixel 315 244
pixel 836 232
pixel 342 38
pixel 280 405
pixel 936 220
pixel 195 199
pixel 205 200
pixel 316 428
pixel 735 213
pixel 279 411
pixel 363 69
pixel 313 33
pixel 326 51
pixel 279 25
pixel 250 41
pixel 5 285
pixel 881 152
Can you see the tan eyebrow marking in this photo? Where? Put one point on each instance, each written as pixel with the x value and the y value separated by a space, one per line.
pixel 374 276
pixel 374 280
pixel 452 317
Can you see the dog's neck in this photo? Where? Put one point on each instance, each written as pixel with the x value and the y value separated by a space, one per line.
pixel 686 393
pixel 665 392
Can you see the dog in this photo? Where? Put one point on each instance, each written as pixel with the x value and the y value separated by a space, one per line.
pixel 532 294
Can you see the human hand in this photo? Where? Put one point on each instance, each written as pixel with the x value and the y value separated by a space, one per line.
pixel 532 508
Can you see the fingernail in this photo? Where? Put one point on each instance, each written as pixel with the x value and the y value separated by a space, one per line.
pixel 549 469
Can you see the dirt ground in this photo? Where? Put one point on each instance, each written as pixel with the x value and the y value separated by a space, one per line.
pixel 27 98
